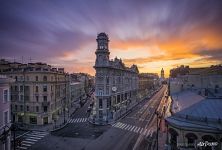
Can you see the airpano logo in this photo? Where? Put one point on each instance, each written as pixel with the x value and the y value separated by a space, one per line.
pixel 206 143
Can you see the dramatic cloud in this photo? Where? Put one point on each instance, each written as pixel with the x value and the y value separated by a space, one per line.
pixel 152 34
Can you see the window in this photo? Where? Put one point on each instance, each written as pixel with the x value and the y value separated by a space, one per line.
pixel 107 80
pixel 45 98
pixel 107 90
pixel 27 108
pixel 16 107
pixel 45 108
pixel 5 96
pixel 6 117
pixel 27 78
pixel 16 89
pixel 37 108
pixel 100 103
pixel 21 107
pixel 21 78
pixel 21 97
pixel 45 78
pixel 125 96
pixel 16 78
pixel 21 88
pixel 33 120
pixel 100 114
pixel 108 102
pixel 36 78
pixel 100 92
pixel 36 89
pixel 118 99
pixel 44 88
pixel 37 98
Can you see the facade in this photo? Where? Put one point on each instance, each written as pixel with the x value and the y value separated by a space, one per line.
pixel 39 94
pixel 5 113
pixel 115 84
pixel 207 79
pixel 77 93
pixel 147 83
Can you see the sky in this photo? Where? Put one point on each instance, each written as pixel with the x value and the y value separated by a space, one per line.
pixel 151 34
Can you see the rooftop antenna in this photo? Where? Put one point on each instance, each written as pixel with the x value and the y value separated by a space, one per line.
pixel 30 60
pixel 22 59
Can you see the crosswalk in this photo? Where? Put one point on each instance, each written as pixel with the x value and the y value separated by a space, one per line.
pixel 31 138
pixel 135 129
pixel 77 120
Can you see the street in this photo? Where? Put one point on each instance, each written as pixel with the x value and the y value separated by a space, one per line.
pixel 125 134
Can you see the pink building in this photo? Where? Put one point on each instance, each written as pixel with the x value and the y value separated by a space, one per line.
pixel 5 112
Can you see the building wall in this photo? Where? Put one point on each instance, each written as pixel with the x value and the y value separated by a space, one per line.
pixel 38 94
pixel 5 113
pixel 116 86
pixel 77 93
pixel 114 102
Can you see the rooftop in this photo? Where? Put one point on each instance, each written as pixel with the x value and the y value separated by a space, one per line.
pixel 191 110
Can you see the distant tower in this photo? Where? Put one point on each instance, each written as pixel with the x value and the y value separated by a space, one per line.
pixel 102 51
pixel 162 73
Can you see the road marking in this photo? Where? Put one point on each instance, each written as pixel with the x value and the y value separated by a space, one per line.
pixel 148 132
pixel 36 135
pixel 20 147
pixel 31 140
pixel 28 142
pixel 118 124
pixel 138 130
pixel 141 130
pixel 135 129
pixel 113 124
pixel 124 126
pixel 40 132
pixel 132 128
pixel 144 131
pixel 121 125
pixel 35 138
pixel 81 119
pixel 127 127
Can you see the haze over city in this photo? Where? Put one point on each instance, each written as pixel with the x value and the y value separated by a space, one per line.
pixel 152 34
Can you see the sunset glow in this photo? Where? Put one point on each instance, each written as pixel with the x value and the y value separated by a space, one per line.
pixel 153 35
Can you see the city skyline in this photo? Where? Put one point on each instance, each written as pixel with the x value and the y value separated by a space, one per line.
pixel 152 35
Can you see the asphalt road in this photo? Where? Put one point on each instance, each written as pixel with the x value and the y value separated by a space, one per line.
pixel 126 134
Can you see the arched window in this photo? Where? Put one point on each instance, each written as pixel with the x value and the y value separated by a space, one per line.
pixel 45 78
pixel 191 137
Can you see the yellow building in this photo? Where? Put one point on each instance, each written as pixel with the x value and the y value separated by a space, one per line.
pixel 39 94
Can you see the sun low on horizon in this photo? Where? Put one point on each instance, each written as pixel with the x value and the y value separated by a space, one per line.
pixel 151 34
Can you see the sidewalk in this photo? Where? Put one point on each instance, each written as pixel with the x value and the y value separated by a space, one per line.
pixel 52 126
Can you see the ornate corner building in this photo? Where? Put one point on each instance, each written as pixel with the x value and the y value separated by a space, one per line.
pixel 116 85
